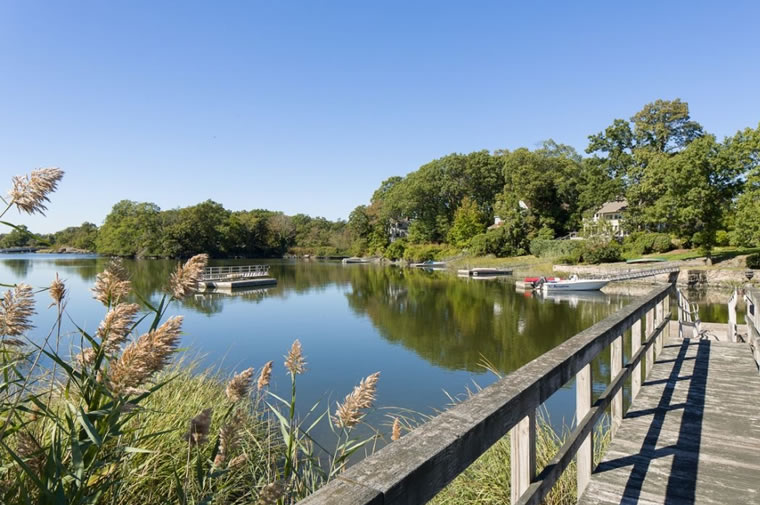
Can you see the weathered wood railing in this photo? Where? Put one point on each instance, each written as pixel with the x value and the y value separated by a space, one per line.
pixel 732 315
pixel 688 316
pixel 234 272
pixel 415 468
pixel 752 298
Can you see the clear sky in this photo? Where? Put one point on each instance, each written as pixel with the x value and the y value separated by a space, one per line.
pixel 308 106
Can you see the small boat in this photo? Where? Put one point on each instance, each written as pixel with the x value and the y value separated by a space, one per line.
pixel 484 271
pixel 575 284
pixel 429 264
pixel 346 261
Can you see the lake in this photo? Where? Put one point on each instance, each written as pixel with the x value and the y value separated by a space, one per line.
pixel 428 333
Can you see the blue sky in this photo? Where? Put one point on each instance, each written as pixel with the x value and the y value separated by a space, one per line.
pixel 308 106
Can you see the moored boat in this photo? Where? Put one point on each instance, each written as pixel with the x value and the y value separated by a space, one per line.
pixel 574 284
pixel 346 261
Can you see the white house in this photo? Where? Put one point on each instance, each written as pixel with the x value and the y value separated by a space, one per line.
pixel 399 229
pixel 611 214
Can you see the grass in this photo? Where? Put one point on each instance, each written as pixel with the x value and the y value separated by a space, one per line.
pixel 528 262
pixel 719 254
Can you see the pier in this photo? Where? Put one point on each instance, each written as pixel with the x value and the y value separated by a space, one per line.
pixel 235 276
pixel 690 435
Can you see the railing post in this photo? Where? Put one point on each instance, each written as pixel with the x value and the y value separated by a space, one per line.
pixel 523 454
pixel 649 333
pixel 585 456
pixel 732 317
pixel 666 313
pixel 657 320
pixel 635 346
pixel 680 315
pixel 616 366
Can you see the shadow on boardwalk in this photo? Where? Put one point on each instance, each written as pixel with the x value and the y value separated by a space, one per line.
pixel 692 435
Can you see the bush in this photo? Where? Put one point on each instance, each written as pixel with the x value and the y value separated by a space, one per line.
pixel 753 261
pixel 639 243
pixel 395 250
pixel 425 252
pixel 598 252
pixel 502 242
pixel 722 238
pixel 542 248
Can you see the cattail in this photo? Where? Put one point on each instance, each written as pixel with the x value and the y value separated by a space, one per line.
pixel 16 309
pixel 30 451
pixel 396 431
pixel 271 493
pixel 86 357
pixel 264 376
pixel 115 327
pixel 57 291
pixel 185 279
pixel 145 356
pixel 348 413
pixel 228 436
pixel 112 284
pixel 30 192
pixel 294 361
pixel 240 385
pixel 237 461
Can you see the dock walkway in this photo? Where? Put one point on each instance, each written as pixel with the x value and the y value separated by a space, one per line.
pixel 692 435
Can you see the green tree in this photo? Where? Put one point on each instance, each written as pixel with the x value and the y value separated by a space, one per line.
pixel 468 222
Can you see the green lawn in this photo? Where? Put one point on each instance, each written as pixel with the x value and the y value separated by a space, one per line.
pixel 719 253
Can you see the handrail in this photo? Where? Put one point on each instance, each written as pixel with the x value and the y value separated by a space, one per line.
pixel 688 313
pixel 752 298
pixel 234 272
pixel 415 468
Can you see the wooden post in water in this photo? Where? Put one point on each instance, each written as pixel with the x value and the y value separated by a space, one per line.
pixel 616 365
pixel 649 332
pixel 523 455
pixel 585 457
pixel 635 346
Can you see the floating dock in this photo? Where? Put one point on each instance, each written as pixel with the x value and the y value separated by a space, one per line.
pixel 235 277
pixel 484 272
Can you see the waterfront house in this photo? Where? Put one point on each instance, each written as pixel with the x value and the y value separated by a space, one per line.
pixel 610 217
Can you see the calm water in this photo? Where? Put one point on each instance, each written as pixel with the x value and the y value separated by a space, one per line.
pixel 426 332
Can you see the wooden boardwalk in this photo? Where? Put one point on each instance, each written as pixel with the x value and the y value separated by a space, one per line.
pixel 692 435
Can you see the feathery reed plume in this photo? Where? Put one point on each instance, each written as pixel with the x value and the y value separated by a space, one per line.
pixel 237 461
pixel 294 361
pixel 112 284
pixel 199 426
pixel 145 356
pixel 12 342
pixel 185 279
pixel 86 357
pixel 16 309
pixel 30 452
pixel 348 414
pixel 271 493
pixel 114 328
pixel 264 376
pixel 57 291
pixel 396 432
pixel 240 385
pixel 30 192
pixel 228 437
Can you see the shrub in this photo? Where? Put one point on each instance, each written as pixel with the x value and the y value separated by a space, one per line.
pixel 596 252
pixel 395 250
pixel 425 252
pixel 722 238
pixel 753 261
pixel 639 243
pixel 542 248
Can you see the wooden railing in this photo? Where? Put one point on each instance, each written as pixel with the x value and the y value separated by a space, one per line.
pixel 732 315
pixel 752 298
pixel 688 316
pixel 415 468
pixel 234 272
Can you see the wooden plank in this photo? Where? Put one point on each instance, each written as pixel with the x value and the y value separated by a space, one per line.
pixel 523 455
pixel 635 346
pixel 585 456
pixel 616 365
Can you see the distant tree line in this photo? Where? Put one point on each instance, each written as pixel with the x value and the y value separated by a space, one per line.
pixel 677 178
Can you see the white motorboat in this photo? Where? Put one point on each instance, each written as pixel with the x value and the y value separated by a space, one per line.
pixel 575 284
pixel 347 261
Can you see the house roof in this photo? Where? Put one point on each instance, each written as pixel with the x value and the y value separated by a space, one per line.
pixel 611 207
